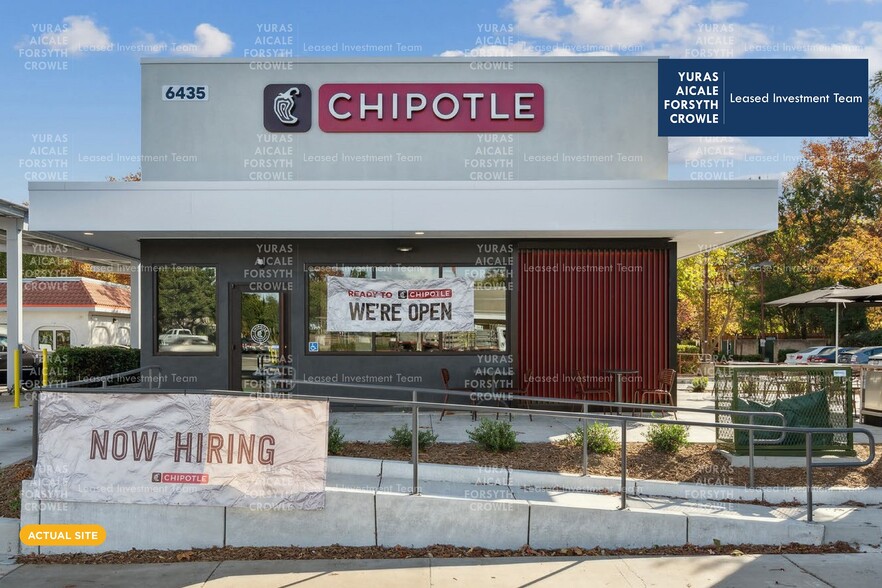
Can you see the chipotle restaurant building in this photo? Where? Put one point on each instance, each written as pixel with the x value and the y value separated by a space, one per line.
pixel 376 220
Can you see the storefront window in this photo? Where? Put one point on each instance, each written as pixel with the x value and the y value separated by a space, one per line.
pixel 186 309
pixel 320 339
pixel 491 286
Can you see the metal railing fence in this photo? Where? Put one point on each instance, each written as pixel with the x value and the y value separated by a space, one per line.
pixel 622 419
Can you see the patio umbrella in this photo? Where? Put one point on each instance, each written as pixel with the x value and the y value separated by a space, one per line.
pixel 830 296
pixel 867 294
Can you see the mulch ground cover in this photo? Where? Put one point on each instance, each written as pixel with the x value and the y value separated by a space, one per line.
pixel 697 463
pixel 435 551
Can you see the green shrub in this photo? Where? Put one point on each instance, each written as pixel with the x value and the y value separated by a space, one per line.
pixel 751 357
pixel 601 438
pixel 699 384
pixel 335 439
pixel 71 364
pixel 669 438
pixel 494 435
pixel 688 348
pixel 402 437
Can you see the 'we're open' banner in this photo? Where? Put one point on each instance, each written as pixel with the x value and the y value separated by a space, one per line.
pixel 358 305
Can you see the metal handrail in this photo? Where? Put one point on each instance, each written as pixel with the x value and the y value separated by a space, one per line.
pixel 415 406
pixel 584 405
pixel 104 379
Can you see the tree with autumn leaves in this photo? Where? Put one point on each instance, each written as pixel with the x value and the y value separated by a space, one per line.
pixel 829 231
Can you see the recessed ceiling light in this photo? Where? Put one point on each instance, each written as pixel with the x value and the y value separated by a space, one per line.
pixel 405 248
pixel 719 232
pixel 420 233
pixel 89 234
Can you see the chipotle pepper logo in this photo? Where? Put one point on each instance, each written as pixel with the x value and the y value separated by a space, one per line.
pixel 179 478
pixel 287 108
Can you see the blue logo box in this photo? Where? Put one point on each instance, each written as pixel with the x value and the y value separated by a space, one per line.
pixel 763 97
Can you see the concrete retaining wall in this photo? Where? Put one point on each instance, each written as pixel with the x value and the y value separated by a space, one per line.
pixel 364 518
pixel 705 529
pixel 417 521
pixel 348 519
pixel 472 507
pixel 554 526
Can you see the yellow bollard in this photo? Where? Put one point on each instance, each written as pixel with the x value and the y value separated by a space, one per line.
pixel 45 367
pixel 16 379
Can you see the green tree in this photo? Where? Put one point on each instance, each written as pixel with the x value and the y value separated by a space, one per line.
pixel 187 299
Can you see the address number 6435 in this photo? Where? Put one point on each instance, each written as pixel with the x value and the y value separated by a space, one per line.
pixel 185 93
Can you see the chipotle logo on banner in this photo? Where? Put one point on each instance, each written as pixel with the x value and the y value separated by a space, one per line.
pixel 431 108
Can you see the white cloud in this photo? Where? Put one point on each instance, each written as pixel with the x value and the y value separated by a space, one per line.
pixel 148 43
pixel 80 35
pixel 210 42
pixel 682 149
pixel 640 26
pixel 679 28
pixel 864 42
pixel 519 49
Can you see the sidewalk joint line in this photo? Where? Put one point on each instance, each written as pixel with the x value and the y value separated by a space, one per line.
pixel 802 569
pixel 211 574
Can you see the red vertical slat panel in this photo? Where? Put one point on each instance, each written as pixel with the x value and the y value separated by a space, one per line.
pixel 591 310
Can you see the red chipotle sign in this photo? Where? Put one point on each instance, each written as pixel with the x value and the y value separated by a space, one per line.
pixel 431 108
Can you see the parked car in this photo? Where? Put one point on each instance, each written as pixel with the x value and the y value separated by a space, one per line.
pixel 830 356
pixel 172 334
pixel 802 357
pixel 31 364
pixel 859 356
pixel 875 359
pixel 188 344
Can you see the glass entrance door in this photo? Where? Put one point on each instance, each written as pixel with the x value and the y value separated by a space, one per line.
pixel 259 338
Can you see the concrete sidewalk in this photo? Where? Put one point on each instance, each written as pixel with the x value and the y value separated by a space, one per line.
pixel 15 429
pixel 840 571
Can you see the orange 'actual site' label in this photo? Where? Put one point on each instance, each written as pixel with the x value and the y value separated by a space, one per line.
pixel 62 535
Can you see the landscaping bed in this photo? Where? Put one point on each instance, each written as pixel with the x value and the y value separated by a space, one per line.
pixel 135 556
pixel 697 463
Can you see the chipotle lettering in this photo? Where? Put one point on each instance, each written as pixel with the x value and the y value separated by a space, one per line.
pixel 431 108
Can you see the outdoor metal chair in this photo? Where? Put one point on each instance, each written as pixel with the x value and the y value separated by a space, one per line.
pixel 664 394
pixel 445 379
pixel 598 394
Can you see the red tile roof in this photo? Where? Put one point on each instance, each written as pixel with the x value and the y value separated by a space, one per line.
pixel 76 292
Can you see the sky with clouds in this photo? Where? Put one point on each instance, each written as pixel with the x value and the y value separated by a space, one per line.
pixel 71 79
